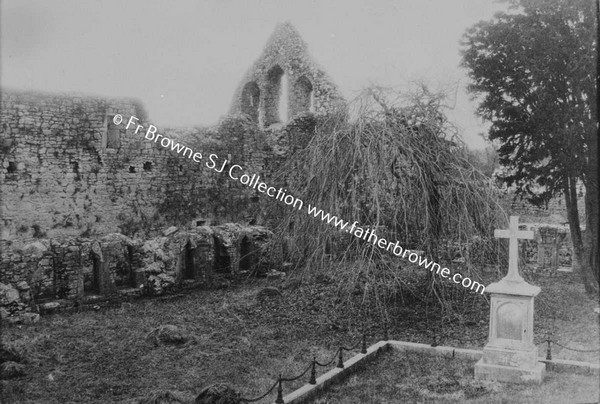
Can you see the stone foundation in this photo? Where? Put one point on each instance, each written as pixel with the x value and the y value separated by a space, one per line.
pixel 510 374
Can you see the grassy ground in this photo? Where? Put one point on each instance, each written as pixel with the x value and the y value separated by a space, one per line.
pixel 102 356
pixel 420 378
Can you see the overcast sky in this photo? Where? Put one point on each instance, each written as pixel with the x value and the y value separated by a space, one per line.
pixel 183 59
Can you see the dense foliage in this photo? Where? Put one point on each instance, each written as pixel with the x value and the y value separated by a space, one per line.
pixel 533 68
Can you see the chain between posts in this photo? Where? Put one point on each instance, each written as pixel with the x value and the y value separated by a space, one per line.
pixel 312 367
pixel 549 341
pixel 340 363
pixel 291 379
pixel 251 400
pixel 575 349
pixel 328 363
pixel 549 348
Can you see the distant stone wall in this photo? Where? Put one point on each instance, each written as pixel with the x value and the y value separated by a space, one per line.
pixel 554 213
pixel 67 170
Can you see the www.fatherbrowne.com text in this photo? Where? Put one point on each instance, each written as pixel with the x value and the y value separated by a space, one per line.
pixel 237 173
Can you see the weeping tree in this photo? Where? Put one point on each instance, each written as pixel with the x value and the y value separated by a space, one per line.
pixel 394 164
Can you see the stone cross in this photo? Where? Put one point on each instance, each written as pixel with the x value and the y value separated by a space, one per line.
pixel 513 234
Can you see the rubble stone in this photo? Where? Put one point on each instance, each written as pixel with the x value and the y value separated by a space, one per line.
pixel 167 334
pixel 10 370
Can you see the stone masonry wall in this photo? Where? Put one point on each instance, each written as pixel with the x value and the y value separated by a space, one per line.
pixel 63 270
pixel 66 170
pixel 554 213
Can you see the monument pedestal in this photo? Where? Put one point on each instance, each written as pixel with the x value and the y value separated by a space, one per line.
pixel 510 355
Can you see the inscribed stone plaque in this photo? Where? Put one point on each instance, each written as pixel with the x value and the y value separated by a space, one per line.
pixel 510 321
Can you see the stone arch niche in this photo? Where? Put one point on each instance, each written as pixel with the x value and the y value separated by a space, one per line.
pixel 276 97
pixel 302 99
pixel 250 100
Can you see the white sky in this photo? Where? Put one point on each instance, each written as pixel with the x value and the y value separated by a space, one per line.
pixel 183 59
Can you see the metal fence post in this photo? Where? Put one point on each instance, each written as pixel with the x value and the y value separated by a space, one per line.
pixel 313 372
pixel 279 392
pixel 340 363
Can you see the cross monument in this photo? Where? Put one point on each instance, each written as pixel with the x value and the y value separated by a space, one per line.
pixel 510 355
pixel 513 234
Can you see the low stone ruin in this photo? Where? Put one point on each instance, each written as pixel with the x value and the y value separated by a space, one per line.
pixel 47 274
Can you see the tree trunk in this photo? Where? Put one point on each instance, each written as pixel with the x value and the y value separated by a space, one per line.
pixel 591 178
pixel 592 225
pixel 588 279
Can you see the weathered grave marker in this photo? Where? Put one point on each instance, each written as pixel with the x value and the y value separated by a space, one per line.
pixel 510 354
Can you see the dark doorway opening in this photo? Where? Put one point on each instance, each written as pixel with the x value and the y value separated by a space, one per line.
pixel 91 279
pixel 189 271
pixel 222 258
pixel 124 274
pixel 247 256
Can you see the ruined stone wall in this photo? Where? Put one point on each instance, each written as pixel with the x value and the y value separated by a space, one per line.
pixel 79 192
pixel 56 175
pixel 67 170
pixel 60 271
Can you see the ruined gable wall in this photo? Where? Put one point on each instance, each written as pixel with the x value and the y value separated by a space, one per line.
pixel 286 50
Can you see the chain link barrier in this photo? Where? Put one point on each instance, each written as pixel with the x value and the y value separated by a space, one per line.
pixel 577 350
pixel 549 341
pixel 363 350
pixel 362 344
pixel 251 400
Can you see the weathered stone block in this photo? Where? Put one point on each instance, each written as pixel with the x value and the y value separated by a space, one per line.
pixel 514 358
pixel 510 374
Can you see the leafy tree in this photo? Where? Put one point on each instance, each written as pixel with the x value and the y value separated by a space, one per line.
pixel 486 160
pixel 533 68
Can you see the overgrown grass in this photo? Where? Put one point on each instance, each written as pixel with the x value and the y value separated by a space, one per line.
pixel 102 356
